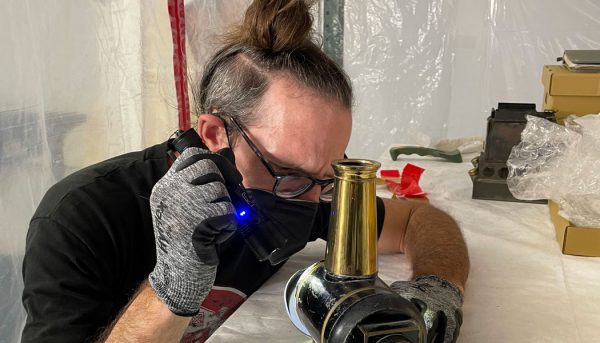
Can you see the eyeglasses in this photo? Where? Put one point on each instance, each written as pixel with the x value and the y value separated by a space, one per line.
pixel 290 185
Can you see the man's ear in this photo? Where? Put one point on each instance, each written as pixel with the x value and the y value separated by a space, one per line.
pixel 212 130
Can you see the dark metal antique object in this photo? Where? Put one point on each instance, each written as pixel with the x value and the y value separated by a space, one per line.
pixel 504 128
pixel 341 299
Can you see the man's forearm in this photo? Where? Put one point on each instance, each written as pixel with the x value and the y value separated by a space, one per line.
pixel 146 319
pixel 434 245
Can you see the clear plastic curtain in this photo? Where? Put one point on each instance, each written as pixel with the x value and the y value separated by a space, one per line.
pixel 429 70
pixel 69 96
pixel 81 81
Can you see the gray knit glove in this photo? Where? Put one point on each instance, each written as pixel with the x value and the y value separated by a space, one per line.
pixel 439 301
pixel 191 211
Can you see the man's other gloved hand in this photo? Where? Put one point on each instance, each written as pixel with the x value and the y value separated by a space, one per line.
pixel 439 301
pixel 191 211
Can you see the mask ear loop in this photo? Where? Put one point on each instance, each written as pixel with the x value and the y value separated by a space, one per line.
pixel 225 118
pixel 227 133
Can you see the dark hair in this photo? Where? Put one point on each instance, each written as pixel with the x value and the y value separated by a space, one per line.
pixel 275 38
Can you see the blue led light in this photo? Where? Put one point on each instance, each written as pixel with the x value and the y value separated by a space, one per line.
pixel 243 213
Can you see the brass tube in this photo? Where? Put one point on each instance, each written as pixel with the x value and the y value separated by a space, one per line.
pixel 352 240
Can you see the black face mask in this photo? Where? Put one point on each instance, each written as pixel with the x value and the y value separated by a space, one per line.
pixel 278 228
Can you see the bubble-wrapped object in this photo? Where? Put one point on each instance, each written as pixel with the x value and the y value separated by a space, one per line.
pixel 561 163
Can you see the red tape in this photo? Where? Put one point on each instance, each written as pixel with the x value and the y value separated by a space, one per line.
pixel 177 17
pixel 409 181
pixel 390 173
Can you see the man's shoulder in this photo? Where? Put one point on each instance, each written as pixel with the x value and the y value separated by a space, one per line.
pixel 132 174
pixel 91 240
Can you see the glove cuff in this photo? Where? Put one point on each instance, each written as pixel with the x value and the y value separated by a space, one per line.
pixel 182 296
pixel 434 279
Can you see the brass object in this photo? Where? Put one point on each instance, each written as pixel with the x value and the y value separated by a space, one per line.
pixel 352 240
pixel 341 299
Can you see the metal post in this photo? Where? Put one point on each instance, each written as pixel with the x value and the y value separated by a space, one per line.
pixel 333 30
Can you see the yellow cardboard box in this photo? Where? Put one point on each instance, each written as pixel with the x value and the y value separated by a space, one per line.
pixel 574 240
pixel 568 92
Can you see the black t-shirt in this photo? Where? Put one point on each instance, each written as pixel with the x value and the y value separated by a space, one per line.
pixel 91 243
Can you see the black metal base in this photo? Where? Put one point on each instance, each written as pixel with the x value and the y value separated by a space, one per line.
pixel 504 128
pixel 333 309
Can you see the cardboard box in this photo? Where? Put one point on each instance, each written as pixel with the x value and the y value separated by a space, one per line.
pixel 568 92
pixel 574 240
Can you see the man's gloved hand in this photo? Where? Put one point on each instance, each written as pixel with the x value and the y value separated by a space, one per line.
pixel 191 211
pixel 439 301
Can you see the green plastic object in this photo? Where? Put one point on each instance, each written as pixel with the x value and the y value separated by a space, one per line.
pixel 451 156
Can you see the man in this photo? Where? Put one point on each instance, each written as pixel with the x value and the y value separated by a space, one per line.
pixel 144 247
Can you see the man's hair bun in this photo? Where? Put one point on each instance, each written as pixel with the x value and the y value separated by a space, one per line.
pixel 275 25
pixel 275 38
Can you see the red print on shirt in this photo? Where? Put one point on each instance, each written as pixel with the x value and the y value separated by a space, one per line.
pixel 218 305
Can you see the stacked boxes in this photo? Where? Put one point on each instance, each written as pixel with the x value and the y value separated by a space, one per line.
pixel 568 92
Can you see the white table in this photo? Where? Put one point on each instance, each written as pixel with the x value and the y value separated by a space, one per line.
pixel 521 288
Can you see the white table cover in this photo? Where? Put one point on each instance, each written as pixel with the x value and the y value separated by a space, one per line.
pixel 520 289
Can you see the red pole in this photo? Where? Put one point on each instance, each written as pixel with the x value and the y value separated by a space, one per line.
pixel 177 16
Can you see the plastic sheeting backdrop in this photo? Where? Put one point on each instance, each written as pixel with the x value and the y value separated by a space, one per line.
pixel 85 80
